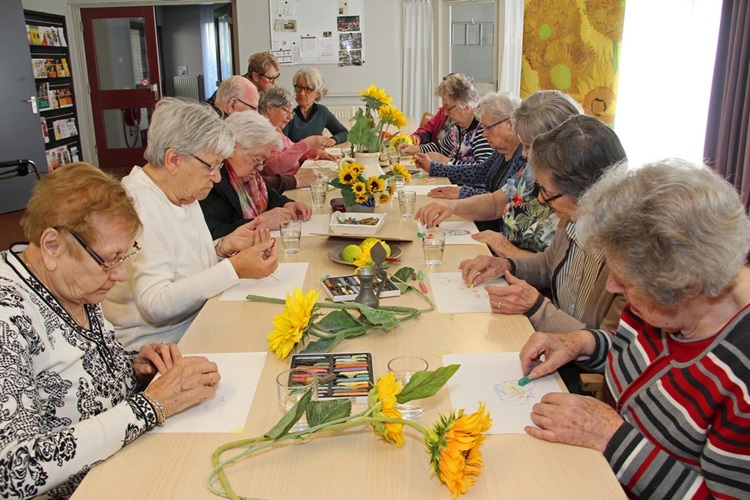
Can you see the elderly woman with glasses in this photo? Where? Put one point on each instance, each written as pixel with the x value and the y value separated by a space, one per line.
pixel 70 392
pixel 181 265
pixel 676 423
pixel 565 161
pixel 465 143
pixel 310 117
pixel 242 195
pixel 277 104
pixel 263 70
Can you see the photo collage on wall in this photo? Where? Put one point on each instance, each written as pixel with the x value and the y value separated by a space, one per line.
pixel 350 36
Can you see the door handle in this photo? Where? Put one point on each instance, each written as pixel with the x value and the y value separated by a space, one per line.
pixel 155 90
pixel 32 100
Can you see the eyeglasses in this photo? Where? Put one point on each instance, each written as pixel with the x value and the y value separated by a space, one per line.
pixel 271 78
pixel 254 108
pixel 490 127
pixel 448 108
pixel 212 168
pixel 288 111
pixel 545 194
pixel 106 267
pixel 302 89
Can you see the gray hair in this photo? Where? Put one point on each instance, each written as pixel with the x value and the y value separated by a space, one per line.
pixel 576 153
pixel 314 80
pixel 458 87
pixel 676 228
pixel 497 106
pixel 277 97
pixel 187 127
pixel 542 111
pixel 252 130
pixel 232 88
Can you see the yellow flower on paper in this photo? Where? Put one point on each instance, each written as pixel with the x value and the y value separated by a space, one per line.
pixel 399 169
pixel 292 323
pixel 375 184
pixel 453 445
pixel 390 114
pixel 359 188
pixel 375 97
pixel 399 139
pixel 385 391
pixel 346 176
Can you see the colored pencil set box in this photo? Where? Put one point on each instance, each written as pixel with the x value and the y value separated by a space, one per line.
pixel 352 371
pixel 346 288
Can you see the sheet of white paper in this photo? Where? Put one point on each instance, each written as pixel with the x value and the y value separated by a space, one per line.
pixel 331 165
pixel 423 189
pixel 457 232
pixel 492 378
pixel 278 285
pixel 227 410
pixel 453 296
pixel 317 224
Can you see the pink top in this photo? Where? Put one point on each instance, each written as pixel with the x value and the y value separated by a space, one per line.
pixel 288 159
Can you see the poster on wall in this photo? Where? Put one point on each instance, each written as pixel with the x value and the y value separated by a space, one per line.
pixel 317 31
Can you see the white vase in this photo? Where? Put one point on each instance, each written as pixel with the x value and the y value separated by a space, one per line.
pixel 367 160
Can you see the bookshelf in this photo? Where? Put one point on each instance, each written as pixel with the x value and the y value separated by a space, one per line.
pixel 50 63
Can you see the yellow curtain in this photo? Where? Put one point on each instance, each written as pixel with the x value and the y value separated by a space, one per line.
pixel 574 46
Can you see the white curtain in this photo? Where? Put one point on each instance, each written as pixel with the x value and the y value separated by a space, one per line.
pixel 510 63
pixel 418 50
pixel 208 46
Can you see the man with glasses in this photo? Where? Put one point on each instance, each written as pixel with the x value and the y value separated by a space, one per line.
pixel 263 70
pixel 236 93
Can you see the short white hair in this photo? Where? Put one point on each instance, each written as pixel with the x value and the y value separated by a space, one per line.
pixel 252 130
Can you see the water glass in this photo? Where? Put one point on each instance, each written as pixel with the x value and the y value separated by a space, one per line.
pixel 400 182
pixel 407 203
pixel 318 193
pixel 291 231
pixel 394 155
pixel 404 367
pixel 291 385
pixel 433 244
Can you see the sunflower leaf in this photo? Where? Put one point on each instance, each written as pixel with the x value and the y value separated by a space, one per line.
pixel 320 412
pixel 291 418
pixel 425 384
pixel 336 321
pixel 385 319
pixel 401 277
pixel 322 345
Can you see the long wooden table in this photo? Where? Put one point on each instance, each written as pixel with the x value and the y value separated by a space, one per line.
pixel 354 463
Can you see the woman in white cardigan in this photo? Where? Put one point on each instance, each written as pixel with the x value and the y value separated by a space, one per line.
pixel 180 266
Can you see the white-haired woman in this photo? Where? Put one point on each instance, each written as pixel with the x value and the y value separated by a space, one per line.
pixel 242 195
pixel 277 104
pixel 310 117
pixel 677 425
pixel 465 142
pixel 181 266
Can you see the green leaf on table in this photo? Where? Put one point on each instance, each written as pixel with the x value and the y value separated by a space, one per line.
pixel 336 321
pixel 401 277
pixel 380 317
pixel 320 412
pixel 425 384
pixel 322 345
pixel 291 417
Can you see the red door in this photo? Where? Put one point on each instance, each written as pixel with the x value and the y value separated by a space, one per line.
pixel 123 70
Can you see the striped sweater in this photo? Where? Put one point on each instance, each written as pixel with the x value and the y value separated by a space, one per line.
pixel 686 407
pixel 467 146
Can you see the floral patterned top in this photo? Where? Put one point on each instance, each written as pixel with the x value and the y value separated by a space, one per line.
pixel 69 397
pixel 527 223
pixel 467 146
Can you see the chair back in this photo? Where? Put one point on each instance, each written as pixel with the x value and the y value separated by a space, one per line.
pixel 17 168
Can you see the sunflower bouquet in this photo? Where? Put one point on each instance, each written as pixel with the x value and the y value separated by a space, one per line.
pixel 358 190
pixel 371 124
pixel 453 443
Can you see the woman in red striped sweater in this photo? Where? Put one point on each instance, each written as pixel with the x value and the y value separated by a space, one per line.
pixel 677 370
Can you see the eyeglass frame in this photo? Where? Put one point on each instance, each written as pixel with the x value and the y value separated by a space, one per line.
pixel 212 168
pixel 282 108
pixel 254 108
pixel 98 258
pixel 490 127
pixel 270 78
pixel 448 108
pixel 299 88
pixel 541 190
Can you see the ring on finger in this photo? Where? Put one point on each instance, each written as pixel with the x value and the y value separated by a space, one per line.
pixel 500 303
pixel 210 380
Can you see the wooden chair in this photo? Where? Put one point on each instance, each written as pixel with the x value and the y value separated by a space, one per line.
pixel 425 118
pixel 593 384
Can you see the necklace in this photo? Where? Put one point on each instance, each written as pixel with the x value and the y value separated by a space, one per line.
pixel 82 320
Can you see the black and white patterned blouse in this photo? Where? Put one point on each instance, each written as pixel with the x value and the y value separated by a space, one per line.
pixel 68 398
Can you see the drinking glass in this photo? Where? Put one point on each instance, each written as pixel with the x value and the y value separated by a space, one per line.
pixel 433 244
pixel 291 231
pixel 404 367
pixel 318 193
pixel 291 385
pixel 407 202
pixel 400 182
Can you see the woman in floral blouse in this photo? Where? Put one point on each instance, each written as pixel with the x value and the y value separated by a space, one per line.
pixel 71 395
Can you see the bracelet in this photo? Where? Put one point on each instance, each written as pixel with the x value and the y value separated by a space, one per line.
pixel 220 249
pixel 161 416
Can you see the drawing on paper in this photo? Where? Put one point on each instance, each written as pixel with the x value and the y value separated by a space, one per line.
pixel 510 393
pixel 456 283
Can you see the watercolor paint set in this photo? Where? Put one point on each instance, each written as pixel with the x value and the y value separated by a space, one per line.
pixel 344 375
pixel 346 288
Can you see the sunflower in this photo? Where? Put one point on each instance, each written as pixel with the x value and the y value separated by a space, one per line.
pixel 347 176
pixel 292 323
pixel 375 184
pixel 385 196
pixel 399 169
pixel 454 444
pixel 392 115
pixel 385 391
pixel 359 188
pixel 362 198
pixel 399 139
pixel 357 168
pixel 375 97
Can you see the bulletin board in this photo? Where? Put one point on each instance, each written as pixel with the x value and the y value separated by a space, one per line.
pixel 318 32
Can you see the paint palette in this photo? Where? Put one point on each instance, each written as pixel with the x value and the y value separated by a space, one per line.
pixel 352 372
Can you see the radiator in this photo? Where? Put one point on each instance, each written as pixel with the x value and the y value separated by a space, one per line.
pixel 190 87
pixel 344 113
